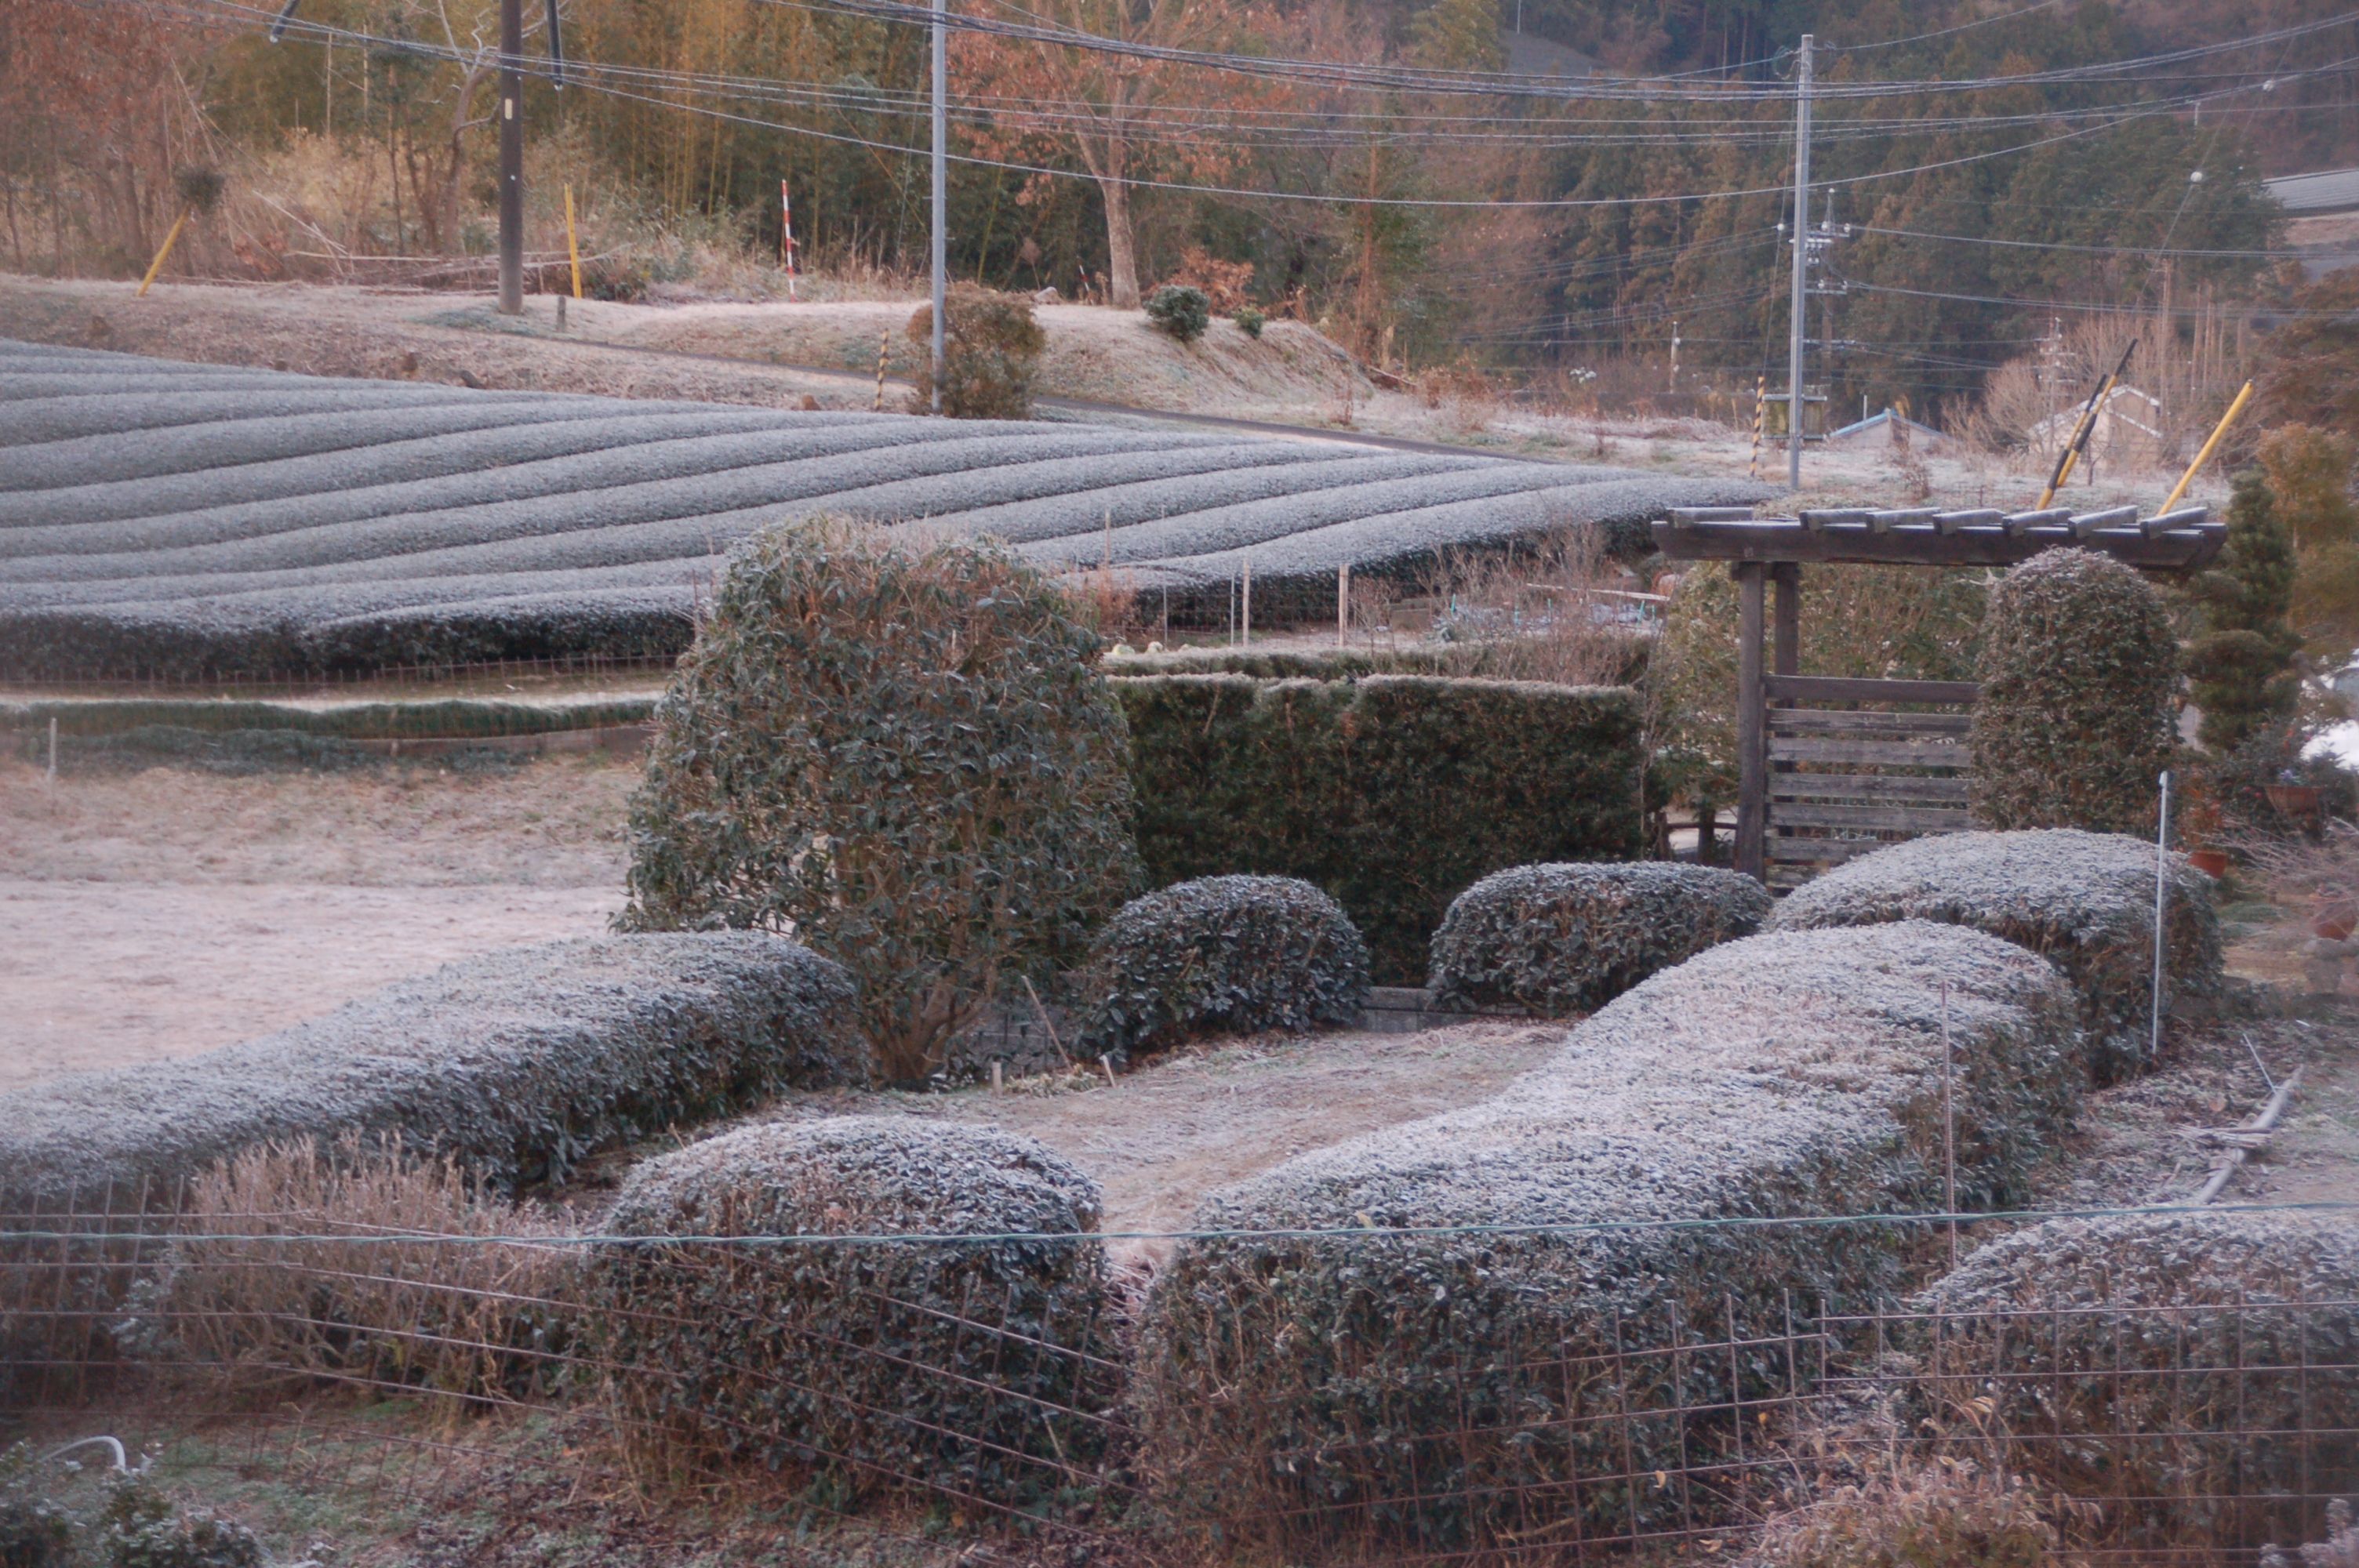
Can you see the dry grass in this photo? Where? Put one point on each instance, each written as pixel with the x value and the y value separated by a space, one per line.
pixel 1554 615
pixel 286 1275
pixel 1911 1513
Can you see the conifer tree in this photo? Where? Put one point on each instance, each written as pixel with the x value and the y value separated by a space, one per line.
pixel 2242 664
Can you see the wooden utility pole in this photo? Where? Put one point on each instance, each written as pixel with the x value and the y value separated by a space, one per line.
pixel 511 157
pixel 941 198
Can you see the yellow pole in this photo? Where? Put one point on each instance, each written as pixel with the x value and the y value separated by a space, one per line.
pixel 572 246
pixel 2205 455
pixel 157 265
pixel 2072 447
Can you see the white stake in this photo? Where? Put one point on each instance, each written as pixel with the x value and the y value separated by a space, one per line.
pixel 1244 613
pixel 1948 1132
pixel 1344 605
pixel 53 752
pixel 2161 891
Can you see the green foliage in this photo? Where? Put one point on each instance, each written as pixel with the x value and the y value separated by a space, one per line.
pixel 1393 794
pixel 141 1527
pixel 1561 939
pixel 1251 320
pixel 2075 723
pixel 1221 954
pixel 1181 310
pixel 991 354
pixel 1458 35
pixel 2310 483
pixel 2242 664
pixel 947 1363
pixel 34 1532
pixel 901 754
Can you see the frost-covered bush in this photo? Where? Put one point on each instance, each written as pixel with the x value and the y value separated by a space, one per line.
pixel 1902 1515
pixel 991 354
pixel 900 755
pixel 1425 1386
pixel 946 1363
pixel 142 1528
pixel 2075 724
pixel 1181 310
pixel 1567 938
pixel 1221 954
pixel 1393 793
pixel 515 1063
pixel 2235 1333
pixel 2083 901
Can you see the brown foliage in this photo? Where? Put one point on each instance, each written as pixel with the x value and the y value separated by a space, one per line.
pixel 2313 373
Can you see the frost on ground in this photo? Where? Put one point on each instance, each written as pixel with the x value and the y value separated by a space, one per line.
pixel 154 512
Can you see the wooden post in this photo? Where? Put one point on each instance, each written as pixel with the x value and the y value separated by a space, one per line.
pixel 1786 619
pixel 1752 780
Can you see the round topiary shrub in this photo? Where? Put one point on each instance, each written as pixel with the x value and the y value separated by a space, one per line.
pixel 991 354
pixel 1251 320
pixel 1569 937
pixel 1221 954
pixel 2075 724
pixel 939 1362
pixel 901 755
pixel 1180 310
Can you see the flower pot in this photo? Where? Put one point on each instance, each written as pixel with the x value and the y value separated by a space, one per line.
pixel 2292 800
pixel 2211 862
pixel 2335 918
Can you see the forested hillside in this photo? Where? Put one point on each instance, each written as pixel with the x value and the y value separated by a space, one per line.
pixel 2004 183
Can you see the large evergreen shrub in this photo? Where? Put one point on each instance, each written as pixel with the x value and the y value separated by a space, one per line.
pixel 2078 667
pixel 902 755
pixel 2242 664
pixel 990 354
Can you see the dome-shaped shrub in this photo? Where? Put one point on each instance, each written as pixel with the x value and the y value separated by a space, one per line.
pixel 943 1362
pixel 2074 725
pixel 1221 954
pixel 901 755
pixel 1571 936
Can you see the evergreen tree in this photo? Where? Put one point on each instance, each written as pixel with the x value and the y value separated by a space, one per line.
pixel 2242 664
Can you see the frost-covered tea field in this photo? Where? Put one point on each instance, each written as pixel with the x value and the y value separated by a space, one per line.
pixel 180 517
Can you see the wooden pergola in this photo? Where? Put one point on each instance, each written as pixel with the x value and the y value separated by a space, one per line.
pixel 1901 772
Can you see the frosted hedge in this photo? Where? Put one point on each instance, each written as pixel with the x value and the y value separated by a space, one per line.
pixel 946 1362
pixel 2085 900
pixel 2234 1338
pixel 182 518
pixel 1567 937
pixel 1450 1389
pixel 1230 954
pixel 517 1062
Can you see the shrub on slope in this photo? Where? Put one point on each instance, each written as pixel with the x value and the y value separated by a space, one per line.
pixel 948 1363
pixel 2084 900
pixel 1448 1389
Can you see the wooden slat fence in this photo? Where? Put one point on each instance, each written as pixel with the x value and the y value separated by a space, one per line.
pixel 1843 781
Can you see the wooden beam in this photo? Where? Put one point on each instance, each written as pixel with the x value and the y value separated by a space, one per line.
pixel 1786 621
pixel 1881 818
pixel 1855 721
pixel 1869 753
pixel 1866 787
pixel 1833 851
pixel 1789 687
pixel 1753 764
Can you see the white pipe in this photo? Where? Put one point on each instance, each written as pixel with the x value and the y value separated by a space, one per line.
pixel 2161 892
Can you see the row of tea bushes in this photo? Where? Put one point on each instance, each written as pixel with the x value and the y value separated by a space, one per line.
pixel 515 1063
pixel 2083 901
pixel 1438 1388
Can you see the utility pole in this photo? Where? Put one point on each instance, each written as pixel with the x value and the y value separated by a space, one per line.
pixel 1797 314
pixel 941 194
pixel 511 157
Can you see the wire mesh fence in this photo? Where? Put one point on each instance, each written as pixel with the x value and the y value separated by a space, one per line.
pixel 1015 1385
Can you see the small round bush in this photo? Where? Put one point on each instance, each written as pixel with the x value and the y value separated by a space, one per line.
pixel 900 755
pixel 991 354
pixel 1221 954
pixel 944 1363
pixel 1570 938
pixel 2075 724
pixel 1251 320
pixel 1180 310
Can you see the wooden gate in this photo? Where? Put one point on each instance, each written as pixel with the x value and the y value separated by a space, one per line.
pixel 1890 763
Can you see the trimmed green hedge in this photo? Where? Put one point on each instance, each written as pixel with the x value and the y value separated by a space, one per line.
pixel 1393 794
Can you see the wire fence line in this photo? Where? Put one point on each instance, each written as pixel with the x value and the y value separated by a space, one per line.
pixel 2183 1431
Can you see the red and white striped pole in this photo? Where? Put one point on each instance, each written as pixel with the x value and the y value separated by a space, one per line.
pixel 787 238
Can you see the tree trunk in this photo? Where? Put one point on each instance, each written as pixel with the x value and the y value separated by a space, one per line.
pixel 1122 259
